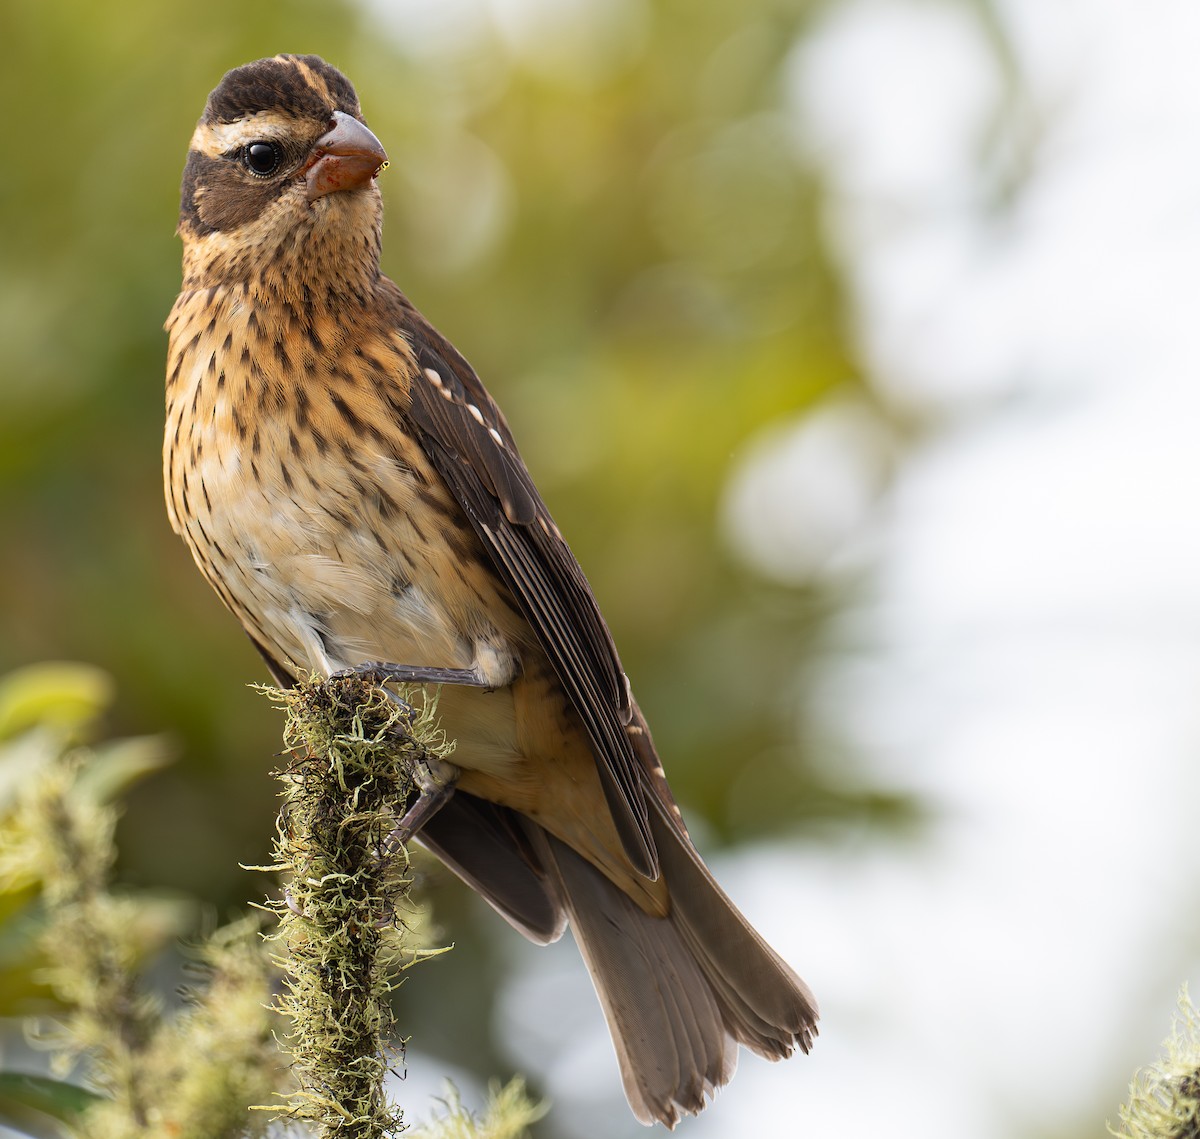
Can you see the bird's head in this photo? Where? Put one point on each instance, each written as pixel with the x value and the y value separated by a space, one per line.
pixel 279 184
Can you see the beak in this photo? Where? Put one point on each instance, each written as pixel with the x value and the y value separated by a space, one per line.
pixel 345 157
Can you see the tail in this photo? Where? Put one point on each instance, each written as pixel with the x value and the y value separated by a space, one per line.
pixel 680 992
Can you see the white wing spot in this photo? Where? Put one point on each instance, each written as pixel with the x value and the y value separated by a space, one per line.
pixel 496 436
pixel 434 378
pixel 476 413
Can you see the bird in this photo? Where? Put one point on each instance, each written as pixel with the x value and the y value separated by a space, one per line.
pixel 357 500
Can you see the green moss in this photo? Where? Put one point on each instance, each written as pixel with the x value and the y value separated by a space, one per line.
pixel 342 930
pixel 507 1114
pixel 1164 1098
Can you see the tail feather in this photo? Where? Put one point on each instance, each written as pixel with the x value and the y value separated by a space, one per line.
pixel 485 845
pixel 766 1006
pixel 679 993
pixel 665 1021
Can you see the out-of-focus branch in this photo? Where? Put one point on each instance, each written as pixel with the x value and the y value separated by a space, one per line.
pixel 508 1113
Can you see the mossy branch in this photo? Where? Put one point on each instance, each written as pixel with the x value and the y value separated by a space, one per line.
pixel 342 921
pixel 1164 1099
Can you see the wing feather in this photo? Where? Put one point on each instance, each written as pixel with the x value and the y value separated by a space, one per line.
pixel 472 448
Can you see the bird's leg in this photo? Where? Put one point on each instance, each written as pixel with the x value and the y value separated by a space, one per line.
pixel 435 780
pixel 384 672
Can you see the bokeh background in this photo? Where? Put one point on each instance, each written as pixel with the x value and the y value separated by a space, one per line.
pixel 854 346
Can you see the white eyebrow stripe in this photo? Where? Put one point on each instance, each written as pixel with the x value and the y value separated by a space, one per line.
pixel 216 139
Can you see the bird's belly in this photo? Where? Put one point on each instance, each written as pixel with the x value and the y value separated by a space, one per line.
pixel 329 567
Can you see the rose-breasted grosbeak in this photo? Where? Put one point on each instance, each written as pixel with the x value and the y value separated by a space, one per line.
pixel 354 495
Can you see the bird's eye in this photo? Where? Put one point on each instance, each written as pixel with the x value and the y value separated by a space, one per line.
pixel 261 158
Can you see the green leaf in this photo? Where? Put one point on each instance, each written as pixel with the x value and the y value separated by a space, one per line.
pixel 115 767
pixel 31 1104
pixel 63 694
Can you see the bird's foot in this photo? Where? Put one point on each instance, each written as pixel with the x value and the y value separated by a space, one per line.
pixel 435 780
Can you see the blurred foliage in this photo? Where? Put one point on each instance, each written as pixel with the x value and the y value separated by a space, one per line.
pixel 605 207
pixel 47 712
pixel 79 953
pixel 508 1114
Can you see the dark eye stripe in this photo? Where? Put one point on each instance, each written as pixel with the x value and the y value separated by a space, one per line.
pixel 217 195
